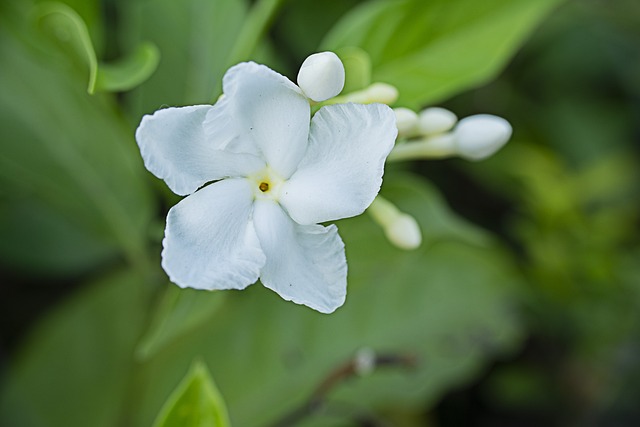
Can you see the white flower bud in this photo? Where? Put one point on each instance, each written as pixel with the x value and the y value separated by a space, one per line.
pixel 404 232
pixel 400 228
pixel 478 137
pixel 377 92
pixel 383 93
pixel 406 121
pixel 436 120
pixel 321 76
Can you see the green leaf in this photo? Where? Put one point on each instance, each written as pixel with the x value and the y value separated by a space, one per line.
pixel 75 367
pixel 195 38
pixel 65 149
pixel 130 71
pixel 69 29
pixel 180 311
pixel 435 49
pixel 450 304
pixel 38 241
pixel 196 402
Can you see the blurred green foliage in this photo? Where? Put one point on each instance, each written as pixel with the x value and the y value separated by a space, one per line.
pixel 195 402
pixel 78 210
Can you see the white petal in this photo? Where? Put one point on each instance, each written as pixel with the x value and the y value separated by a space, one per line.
pixel 321 76
pixel 175 148
pixel 210 241
pixel 261 112
pixel 341 172
pixel 305 264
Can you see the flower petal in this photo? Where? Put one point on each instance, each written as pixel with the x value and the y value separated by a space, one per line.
pixel 341 172
pixel 305 264
pixel 175 148
pixel 210 241
pixel 261 112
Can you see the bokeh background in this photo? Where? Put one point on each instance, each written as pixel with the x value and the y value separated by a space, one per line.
pixel 521 308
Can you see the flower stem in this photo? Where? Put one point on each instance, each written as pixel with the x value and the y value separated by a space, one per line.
pixel 432 148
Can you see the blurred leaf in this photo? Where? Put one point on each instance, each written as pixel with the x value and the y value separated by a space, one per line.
pixel 438 222
pixel 92 13
pixel 195 38
pixel 433 50
pixel 196 402
pixel 180 311
pixel 302 24
pixel 68 28
pixel 450 303
pixel 130 71
pixel 357 65
pixel 66 149
pixel 75 368
pixel 36 240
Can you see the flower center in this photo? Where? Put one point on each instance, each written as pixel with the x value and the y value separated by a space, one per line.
pixel 266 184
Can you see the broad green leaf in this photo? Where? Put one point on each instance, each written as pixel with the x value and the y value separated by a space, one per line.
pixel 450 304
pixel 196 402
pixel 65 149
pixel 300 27
pixel 38 241
pixel 179 311
pixel 75 368
pixel 195 38
pixel 129 71
pixel 431 50
pixel 68 28
pixel 64 24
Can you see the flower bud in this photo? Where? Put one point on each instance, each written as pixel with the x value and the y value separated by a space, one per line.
pixel 400 228
pixel 377 92
pixel 383 93
pixel 436 120
pixel 406 121
pixel 478 137
pixel 404 232
pixel 321 76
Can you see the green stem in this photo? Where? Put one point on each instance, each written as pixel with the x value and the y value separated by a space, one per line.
pixel 383 211
pixel 433 148
pixel 255 25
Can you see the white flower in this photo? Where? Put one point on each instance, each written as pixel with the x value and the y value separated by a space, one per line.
pixel 276 173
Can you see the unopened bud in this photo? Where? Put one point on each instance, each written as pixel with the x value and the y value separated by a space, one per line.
pixel 400 228
pixel 478 137
pixel 321 76
pixel 404 232
pixel 406 121
pixel 377 92
pixel 436 120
